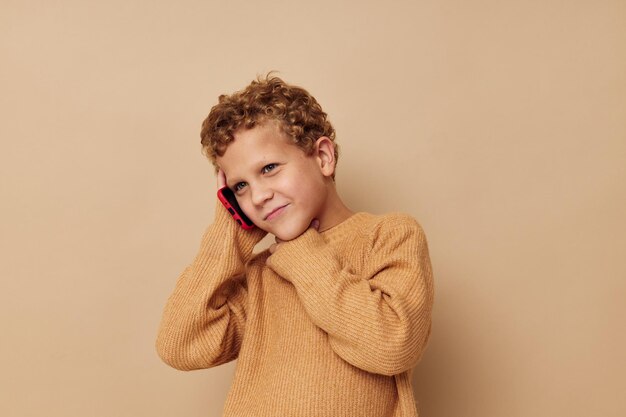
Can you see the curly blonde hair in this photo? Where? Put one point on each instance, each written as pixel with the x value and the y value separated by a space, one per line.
pixel 269 98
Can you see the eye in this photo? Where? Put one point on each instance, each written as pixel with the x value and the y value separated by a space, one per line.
pixel 239 186
pixel 267 168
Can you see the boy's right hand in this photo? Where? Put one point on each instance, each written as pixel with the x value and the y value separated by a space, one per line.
pixel 255 233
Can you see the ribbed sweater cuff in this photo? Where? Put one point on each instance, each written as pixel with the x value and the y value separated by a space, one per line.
pixel 306 262
pixel 226 229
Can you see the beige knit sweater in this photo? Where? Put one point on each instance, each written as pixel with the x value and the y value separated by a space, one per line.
pixel 331 324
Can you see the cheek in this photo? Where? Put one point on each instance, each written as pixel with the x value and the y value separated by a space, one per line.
pixel 246 206
pixel 307 182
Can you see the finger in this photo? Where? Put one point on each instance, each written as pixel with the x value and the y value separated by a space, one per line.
pixel 273 247
pixel 315 224
pixel 221 179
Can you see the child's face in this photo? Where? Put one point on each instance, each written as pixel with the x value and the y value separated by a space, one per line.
pixel 277 185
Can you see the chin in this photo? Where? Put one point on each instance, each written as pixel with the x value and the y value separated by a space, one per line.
pixel 289 233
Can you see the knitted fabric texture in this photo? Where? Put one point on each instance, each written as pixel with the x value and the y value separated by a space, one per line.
pixel 331 324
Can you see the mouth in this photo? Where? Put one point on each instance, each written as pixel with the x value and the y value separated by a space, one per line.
pixel 275 213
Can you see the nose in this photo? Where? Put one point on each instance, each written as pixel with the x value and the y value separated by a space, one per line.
pixel 260 194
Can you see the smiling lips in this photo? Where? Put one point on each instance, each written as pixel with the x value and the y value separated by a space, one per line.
pixel 275 213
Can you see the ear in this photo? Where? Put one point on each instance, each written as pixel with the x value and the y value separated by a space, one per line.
pixel 325 155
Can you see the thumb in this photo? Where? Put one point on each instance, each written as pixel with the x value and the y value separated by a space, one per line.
pixel 221 179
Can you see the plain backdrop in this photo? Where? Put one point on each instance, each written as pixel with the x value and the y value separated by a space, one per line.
pixel 499 125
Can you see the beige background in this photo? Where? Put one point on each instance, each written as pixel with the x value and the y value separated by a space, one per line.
pixel 499 125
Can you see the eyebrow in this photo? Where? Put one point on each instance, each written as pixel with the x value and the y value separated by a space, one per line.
pixel 230 184
pixel 266 160
pixel 258 165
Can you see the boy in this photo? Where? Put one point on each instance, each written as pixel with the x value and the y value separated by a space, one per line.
pixel 332 318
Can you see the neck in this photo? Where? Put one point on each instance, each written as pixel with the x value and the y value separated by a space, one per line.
pixel 334 212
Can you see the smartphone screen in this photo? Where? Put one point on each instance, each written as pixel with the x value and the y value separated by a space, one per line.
pixel 228 199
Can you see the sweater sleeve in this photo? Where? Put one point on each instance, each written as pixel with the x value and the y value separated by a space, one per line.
pixel 378 320
pixel 204 318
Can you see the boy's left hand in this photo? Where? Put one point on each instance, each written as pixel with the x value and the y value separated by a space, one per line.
pixel 315 224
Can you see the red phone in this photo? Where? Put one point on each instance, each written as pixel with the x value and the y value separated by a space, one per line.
pixel 227 197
